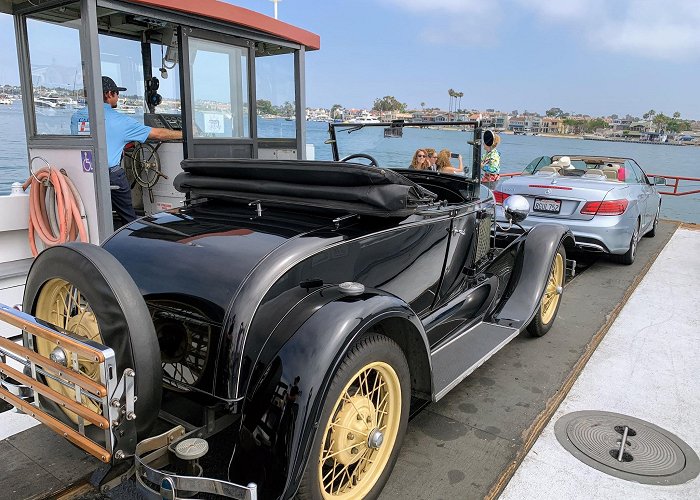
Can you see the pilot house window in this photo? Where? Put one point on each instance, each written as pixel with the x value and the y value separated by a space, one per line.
pixel 219 79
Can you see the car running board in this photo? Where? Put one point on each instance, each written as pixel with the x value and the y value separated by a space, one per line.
pixel 455 359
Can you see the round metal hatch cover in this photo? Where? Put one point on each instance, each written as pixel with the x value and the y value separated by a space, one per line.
pixel 651 455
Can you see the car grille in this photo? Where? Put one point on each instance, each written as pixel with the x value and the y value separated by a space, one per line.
pixel 483 239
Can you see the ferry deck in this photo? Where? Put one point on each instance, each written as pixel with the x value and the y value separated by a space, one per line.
pixel 624 342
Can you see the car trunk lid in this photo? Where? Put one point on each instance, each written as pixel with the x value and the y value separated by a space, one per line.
pixel 557 197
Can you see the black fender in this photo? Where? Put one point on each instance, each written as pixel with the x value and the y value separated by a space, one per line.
pixel 533 254
pixel 287 391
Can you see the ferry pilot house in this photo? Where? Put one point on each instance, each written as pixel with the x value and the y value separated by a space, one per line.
pixel 214 87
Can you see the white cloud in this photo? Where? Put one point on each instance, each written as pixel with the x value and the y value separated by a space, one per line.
pixel 655 29
pixel 450 22
pixel 443 6
pixel 564 9
pixel 663 32
pixel 644 28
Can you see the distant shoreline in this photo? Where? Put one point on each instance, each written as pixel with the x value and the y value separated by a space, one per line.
pixel 605 139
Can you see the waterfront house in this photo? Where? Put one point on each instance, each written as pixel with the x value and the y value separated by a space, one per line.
pixel 552 125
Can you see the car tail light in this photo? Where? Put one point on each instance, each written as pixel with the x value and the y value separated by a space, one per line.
pixel 500 196
pixel 611 207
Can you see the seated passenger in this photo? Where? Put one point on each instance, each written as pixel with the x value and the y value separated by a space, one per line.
pixel 432 158
pixel 443 162
pixel 564 163
pixel 420 160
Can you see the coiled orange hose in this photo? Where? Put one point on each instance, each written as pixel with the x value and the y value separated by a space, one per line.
pixel 69 212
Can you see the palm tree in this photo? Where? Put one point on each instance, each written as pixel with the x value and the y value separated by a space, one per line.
pixel 460 95
pixel 451 93
pixel 422 106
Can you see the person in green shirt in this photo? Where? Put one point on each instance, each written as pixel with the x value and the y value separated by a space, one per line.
pixel 491 161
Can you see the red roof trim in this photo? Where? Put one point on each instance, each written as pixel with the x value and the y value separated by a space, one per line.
pixel 232 14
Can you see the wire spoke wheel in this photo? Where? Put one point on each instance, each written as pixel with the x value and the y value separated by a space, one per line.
pixel 184 337
pixel 61 304
pixel 546 313
pixel 360 435
pixel 552 293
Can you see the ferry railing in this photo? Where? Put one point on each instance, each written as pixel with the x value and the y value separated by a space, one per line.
pixel 675 185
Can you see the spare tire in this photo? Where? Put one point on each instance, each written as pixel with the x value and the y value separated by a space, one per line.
pixel 83 289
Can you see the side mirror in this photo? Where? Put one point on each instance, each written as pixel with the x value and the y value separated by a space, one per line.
pixel 516 208
pixel 659 181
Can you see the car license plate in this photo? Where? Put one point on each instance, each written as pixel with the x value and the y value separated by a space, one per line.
pixel 545 205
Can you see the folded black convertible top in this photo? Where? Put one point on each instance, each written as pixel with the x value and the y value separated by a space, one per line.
pixel 338 186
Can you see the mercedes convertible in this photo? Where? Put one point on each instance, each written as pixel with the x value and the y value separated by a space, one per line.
pixel 609 203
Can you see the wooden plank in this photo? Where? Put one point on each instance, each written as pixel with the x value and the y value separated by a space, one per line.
pixel 20 478
pixel 30 325
pixel 68 463
pixel 58 398
pixel 71 435
pixel 55 369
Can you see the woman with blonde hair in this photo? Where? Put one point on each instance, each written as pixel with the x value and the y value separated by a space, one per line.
pixel 420 160
pixel 444 165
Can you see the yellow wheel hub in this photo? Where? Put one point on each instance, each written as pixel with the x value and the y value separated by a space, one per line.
pixel 361 432
pixel 64 306
pixel 553 291
pixel 354 418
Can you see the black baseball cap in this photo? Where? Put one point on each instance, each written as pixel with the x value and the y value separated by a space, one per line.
pixel 108 85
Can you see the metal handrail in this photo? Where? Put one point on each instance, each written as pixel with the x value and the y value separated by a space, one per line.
pixel 677 180
pixel 675 185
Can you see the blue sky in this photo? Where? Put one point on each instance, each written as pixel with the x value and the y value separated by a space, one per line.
pixel 584 56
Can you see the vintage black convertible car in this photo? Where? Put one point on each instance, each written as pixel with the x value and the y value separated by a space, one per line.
pixel 296 310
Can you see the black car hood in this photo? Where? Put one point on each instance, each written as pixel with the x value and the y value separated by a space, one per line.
pixel 204 252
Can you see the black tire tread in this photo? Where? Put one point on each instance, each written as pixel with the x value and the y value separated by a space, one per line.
pixel 96 272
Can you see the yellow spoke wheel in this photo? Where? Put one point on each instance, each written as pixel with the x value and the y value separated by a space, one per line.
pixel 360 435
pixel 63 305
pixel 551 298
pixel 552 293
pixel 363 423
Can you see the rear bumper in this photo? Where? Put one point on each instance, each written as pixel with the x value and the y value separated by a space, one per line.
pixel 608 234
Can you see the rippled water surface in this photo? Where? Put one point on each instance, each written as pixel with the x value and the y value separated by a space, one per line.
pixel 516 152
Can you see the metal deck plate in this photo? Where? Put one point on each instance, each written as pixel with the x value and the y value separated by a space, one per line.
pixel 650 455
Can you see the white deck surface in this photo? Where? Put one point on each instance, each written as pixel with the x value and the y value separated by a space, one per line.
pixel 648 367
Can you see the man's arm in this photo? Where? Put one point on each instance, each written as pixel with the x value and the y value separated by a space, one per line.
pixel 164 134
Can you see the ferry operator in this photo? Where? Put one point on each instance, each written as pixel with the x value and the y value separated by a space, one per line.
pixel 120 131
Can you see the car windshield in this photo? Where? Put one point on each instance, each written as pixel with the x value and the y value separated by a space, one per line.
pixel 447 147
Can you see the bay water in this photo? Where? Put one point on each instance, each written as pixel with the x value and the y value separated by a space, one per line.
pixel 516 152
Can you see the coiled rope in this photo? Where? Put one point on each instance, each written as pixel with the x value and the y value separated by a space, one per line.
pixel 56 211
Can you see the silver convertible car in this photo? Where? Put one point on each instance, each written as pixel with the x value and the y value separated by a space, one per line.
pixel 609 203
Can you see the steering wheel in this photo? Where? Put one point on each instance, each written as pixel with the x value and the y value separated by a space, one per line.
pixel 145 164
pixel 372 161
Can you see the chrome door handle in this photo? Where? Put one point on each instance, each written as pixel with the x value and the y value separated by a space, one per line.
pixel 459 231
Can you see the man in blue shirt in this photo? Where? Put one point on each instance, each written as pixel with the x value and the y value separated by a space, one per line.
pixel 120 131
